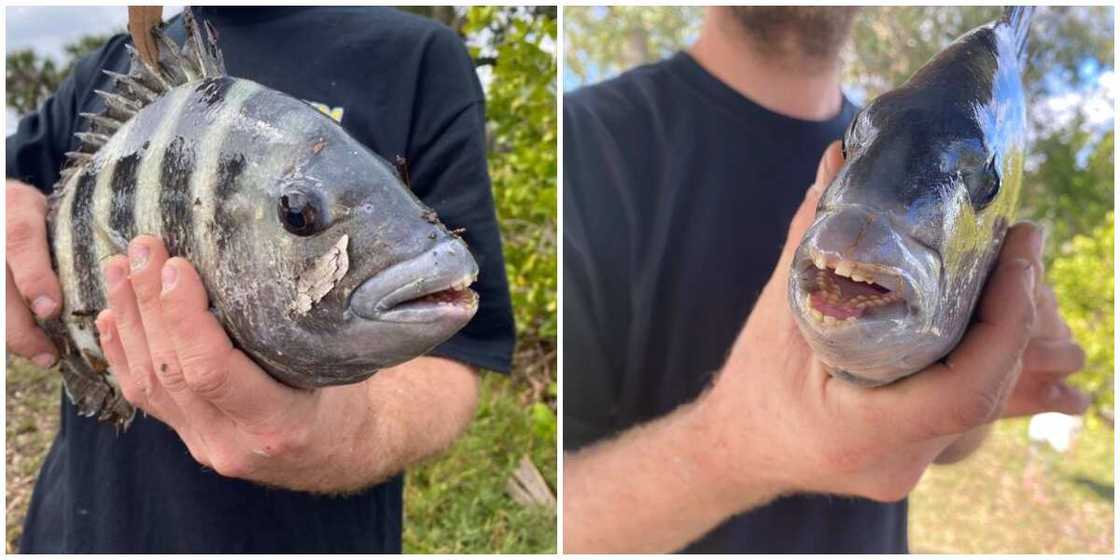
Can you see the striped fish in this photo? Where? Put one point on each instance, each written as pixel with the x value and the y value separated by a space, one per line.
pixel 319 262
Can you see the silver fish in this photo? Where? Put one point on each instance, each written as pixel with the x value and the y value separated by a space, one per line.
pixel 319 262
pixel 885 280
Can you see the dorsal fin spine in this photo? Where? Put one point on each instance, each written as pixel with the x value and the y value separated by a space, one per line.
pixel 199 57
pixel 1018 18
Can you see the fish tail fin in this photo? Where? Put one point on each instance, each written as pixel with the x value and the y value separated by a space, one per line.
pixel 1018 18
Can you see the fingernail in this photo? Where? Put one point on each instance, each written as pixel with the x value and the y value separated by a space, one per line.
pixel 113 274
pixel 43 306
pixel 104 334
pixel 170 275
pixel 138 256
pixel 44 360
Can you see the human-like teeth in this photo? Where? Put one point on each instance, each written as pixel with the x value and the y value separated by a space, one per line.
pixel 843 268
pixel 819 262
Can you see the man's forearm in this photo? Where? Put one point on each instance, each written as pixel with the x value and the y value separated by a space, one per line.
pixel 655 488
pixel 415 411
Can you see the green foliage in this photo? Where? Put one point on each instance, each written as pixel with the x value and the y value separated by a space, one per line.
pixel 890 43
pixel 1083 282
pixel 459 504
pixel 1068 198
pixel 606 40
pixel 521 109
pixel 30 78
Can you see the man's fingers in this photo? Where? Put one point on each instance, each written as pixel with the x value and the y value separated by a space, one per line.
pixel 1049 323
pixel 831 161
pixel 23 335
pixel 28 254
pixel 212 368
pixel 110 341
pixel 1060 397
pixel 130 327
pixel 971 386
pixel 1046 397
pixel 1024 241
pixel 1053 358
pixel 830 164
pixel 146 255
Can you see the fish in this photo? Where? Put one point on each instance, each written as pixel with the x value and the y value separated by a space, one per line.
pixel 885 280
pixel 319 262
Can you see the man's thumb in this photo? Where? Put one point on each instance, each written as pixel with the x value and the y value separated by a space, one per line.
pixel 830 164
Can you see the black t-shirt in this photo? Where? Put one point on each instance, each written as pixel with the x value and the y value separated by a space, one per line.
pixel 678 192
pixel 402 85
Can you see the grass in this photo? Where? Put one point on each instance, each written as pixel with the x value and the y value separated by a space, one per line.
pixel 32 413
pixel 459 503
pixel 1009 499
pixel 456 503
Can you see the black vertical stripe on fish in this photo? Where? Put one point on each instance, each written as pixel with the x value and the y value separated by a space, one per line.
pixel 175 205
pixel 213 90
pixel 122 211
pixel 86 268
pixel 229 171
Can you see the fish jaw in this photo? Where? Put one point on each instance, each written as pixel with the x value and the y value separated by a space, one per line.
pixel 430 289
pixel 867 297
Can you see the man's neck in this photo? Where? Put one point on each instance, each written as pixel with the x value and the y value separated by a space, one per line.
pixel 793 86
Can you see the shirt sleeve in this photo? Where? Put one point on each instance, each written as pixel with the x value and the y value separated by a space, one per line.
pixel 37 149
pixel 597 253
pixel 447 169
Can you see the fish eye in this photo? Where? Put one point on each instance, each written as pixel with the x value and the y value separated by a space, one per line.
pixel 983 184
pixel 300 213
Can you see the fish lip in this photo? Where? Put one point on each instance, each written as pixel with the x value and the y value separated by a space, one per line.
pixel 390 295
pixel 884 275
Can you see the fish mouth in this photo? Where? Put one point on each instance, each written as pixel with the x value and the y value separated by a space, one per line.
pixel 431 287
pixel 840 293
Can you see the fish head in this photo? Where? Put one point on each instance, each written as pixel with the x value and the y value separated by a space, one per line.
pixel 357 274
pixel 884 281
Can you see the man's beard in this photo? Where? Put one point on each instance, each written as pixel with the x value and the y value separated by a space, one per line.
pixel 801 32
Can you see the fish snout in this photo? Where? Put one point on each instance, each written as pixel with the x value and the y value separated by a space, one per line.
pixel 862 290
pixel 427 288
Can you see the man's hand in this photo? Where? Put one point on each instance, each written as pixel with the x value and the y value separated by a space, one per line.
pixel 174 361
pixel 32 287
pixel 774 421
pixel 1051 357
pixel 822 434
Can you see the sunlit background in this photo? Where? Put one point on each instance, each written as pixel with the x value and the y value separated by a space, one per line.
pixel 1039 485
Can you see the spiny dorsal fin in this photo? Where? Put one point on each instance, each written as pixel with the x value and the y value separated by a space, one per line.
pixel 1018 18
pixel 198 58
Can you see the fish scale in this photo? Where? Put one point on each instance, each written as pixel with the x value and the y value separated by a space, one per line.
pixel 206 161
